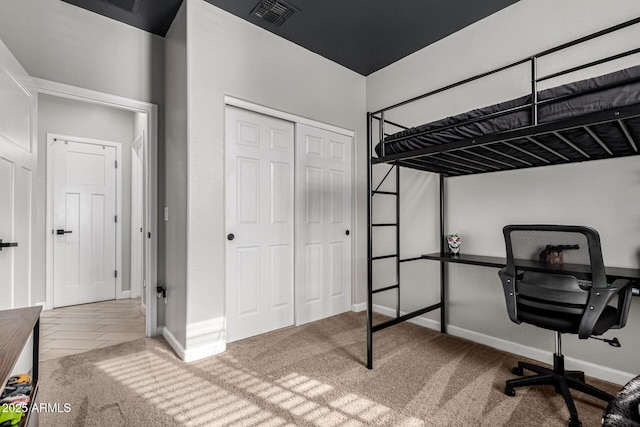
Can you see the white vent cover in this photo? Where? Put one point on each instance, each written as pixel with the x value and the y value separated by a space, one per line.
pixel 275 12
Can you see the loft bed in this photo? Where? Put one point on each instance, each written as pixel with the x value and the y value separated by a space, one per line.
pixel 592 119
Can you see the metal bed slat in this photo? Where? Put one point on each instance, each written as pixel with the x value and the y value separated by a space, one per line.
pixel 551 150
pixel 493 150
pixel 527 152
pixel 473 161
pixel 457 163
pixel 490 159
pixel 570 144
pixel 597 138
pixel 625 130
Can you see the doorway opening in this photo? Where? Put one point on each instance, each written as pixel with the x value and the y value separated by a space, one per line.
pixel 137 192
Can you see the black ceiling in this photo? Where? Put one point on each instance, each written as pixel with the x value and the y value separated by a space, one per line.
pixel 362 35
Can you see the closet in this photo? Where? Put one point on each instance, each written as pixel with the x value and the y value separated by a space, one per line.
pixel 288 220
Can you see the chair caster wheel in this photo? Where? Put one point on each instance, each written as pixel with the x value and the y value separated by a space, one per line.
pixel 517 371
pixel 509 391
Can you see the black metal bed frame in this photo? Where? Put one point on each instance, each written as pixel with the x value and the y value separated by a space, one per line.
pixel 431 159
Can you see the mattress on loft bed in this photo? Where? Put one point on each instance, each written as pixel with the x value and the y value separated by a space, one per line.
pixel 623 94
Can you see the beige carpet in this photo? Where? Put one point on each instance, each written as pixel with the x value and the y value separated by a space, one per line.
pixel 311 375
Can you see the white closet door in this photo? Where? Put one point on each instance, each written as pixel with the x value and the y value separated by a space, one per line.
pixel 260 223
pixel 17 171
pixel 323 223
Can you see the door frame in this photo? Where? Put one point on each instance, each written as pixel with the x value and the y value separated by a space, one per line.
pixel 150 179
pixel 261 109
pixel 138 202
pixel 51 138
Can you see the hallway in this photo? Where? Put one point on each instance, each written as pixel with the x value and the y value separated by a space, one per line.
pixel 76 329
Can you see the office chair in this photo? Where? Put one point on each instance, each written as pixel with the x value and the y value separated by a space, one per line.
pixel 555 279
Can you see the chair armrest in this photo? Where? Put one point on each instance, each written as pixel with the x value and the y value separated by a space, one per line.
pixel 599 298
pixel 624 301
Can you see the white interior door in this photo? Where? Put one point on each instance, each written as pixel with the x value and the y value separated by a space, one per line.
pixel 17 167
pixel 259 218
pixel 84 222
pixel 323 223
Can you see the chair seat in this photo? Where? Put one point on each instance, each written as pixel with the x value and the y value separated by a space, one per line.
pixel 565 323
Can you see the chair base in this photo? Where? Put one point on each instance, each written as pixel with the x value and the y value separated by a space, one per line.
pixel 560 379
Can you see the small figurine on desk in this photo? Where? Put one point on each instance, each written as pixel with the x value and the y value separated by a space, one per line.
pixel 453 242
pixel 553 253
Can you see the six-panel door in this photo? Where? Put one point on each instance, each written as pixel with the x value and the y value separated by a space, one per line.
pixel 323 222
pixel 259 207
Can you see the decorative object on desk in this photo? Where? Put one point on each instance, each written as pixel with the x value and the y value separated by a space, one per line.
pixel 553 253
pixel 453 242
pixel 624 409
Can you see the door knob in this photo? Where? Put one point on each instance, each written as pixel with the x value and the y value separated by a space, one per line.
pixel 346 232
pixel 62 231
pixel 7 245
pixel 230 236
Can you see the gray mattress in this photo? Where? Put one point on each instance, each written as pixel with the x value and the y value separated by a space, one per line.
pixel 614 90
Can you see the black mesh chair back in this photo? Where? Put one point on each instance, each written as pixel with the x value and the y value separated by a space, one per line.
pixel 555 279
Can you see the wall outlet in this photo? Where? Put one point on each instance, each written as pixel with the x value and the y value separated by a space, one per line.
pixel 166 213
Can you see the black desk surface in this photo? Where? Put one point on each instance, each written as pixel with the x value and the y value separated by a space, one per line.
pixel 613 273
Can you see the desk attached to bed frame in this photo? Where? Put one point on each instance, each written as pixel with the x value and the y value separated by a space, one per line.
pixel 592 119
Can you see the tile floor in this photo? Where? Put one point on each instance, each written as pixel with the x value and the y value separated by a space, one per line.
pixel 80 328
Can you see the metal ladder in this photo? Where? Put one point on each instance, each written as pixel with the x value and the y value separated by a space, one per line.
pixel 371 328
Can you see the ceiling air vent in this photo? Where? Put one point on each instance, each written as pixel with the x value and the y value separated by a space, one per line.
pixel 273 11
pixel 128 5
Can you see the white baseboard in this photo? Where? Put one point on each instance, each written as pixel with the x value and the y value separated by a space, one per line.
pixel 195 352
pixel 359 307
pixel 590 369
pixel 173 342
pixel 124 295
pixel 43 305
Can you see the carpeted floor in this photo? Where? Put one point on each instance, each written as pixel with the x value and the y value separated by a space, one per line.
pixel 311 375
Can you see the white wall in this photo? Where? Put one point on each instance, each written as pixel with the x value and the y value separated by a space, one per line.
pixel 228 56
pixel 599 194
pixel 61 42
pixel 74 118
pixel 175 171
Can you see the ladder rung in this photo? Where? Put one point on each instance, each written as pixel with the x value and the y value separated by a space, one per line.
pixel 385 225
pixel 391 193
pixel 383 257
pixel 375 291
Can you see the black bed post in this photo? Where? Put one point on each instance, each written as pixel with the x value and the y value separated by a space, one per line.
pixel 369 248
pixel 443 270
pixel 398 237
pixel 534 90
